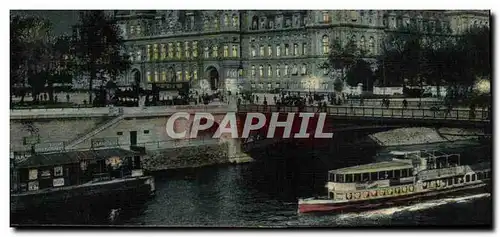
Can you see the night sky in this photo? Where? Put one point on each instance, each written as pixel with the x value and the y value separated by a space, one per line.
pixel 62 20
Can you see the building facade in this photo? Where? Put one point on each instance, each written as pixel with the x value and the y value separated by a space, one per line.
pixel 264 49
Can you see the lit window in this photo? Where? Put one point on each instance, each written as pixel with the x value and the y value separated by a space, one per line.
pixel 326 17
pixel 149 77
pixel 372 45
pixel 326 44
pixel 278 71
pixel 278 50
pixel 287 50
pixel 186 74
pixel 179 76
pixel 178 51
pixel 261 51
pixel 253 71
pixel 206 51
pixel 295 70
pixel 170 50
pixel 148 52
pixel 286 70
pixel 163 51
pixel 206 24
pixel 164 76
pixel 235 51
pixel 362 43
pixel 138 55
pixel 195 49
pixel 195 75
pixel 304 69
pixel 226 20
pixel 132 30
pixel 304 49
pixel 226 51
pixel 156 76
pixel 261 71
pixel 138 30
pixel 215 52
pixel 235 21
pixel 216 23
pixel 186 49
pixel 254 53
pixel 296 49
pixel 155 51
pixel 269 70
pixel 269 51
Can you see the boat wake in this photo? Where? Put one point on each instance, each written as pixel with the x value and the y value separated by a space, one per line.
pixel 413 207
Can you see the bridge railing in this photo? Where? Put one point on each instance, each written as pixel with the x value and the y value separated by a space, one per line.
pixel 378 112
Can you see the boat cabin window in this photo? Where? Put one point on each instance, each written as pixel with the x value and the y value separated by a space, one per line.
pixel 373 176
pixel 480 175
pixel 450 181
pixel 473 177
pixel 339 178
pixel 365 177
pixel 357 177
pixel 467 178
pixel 404 173
pixel 381 175
pixel 348 178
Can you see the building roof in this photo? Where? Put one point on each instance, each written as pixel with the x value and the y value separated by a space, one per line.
pixel 374 167
pixel 68 157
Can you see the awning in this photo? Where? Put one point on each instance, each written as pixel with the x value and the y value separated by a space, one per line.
pixel 69 157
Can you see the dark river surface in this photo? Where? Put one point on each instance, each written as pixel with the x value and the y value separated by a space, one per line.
pixel 264 194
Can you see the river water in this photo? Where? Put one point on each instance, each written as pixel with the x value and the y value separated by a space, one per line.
pixel 265 193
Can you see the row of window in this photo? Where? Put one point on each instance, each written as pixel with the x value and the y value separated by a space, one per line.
pixel 164 76
pixel 373 176
pixel 286 70
pixel 297 50
pixel 276 22
pixel 157 52
pixel 361 44
pixel 457 180
pixel 234 22
pixel 291 85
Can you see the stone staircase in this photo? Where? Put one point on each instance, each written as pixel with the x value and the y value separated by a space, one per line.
pixel 98 129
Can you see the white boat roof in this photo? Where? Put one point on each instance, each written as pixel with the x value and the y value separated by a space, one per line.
pixel 404 152
pixel 374 167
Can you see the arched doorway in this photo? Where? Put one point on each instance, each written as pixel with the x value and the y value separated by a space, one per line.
pixel 136 77
pixel 213 78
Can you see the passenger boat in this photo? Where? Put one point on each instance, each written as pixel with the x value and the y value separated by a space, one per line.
pixel 412 176
pixel 65 179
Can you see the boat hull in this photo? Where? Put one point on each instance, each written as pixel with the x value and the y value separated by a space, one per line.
pixel 328 205
pixel 36 207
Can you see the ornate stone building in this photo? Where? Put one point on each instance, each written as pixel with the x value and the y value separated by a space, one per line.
pixel 266 49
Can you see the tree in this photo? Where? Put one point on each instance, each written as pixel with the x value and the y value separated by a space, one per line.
pixel 360 72
pixel 341 58
pixel 30 39
pixel 98 48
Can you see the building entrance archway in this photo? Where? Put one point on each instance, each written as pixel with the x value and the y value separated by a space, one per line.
pixel 213 77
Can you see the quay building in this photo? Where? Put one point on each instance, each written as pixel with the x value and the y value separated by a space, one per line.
pixel 262 49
